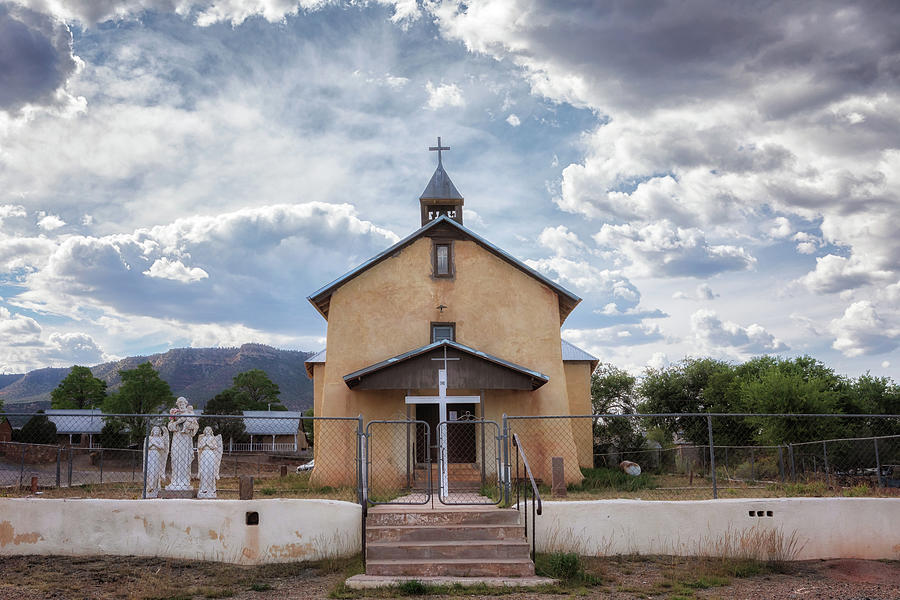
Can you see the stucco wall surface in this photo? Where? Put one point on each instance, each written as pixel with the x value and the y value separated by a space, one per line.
pixel 822 528
pixel 289 530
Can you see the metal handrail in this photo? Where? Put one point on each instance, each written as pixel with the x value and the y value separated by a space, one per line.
pixel 536 504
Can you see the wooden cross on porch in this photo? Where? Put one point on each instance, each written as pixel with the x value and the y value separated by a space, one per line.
pixel 442 399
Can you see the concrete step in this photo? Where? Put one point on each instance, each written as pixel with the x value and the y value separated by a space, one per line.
pixel 487 516
pixel 456 567
pixel 484 550
pixel 439 533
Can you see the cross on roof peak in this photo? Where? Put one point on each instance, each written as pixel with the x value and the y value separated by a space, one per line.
pixel 438 148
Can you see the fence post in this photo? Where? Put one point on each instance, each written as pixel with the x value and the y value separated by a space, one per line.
pixel 752 466
pixel 58 456
pixel 506 465
pixel 22 468
pixel 712 457
pixel 71 458
pixel 791 457
pixel 361 488
pixel 146 450
pixel 825 458
pixel 878 464
pixel 781 463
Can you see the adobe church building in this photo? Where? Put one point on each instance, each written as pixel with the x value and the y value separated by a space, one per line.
pixel 444 292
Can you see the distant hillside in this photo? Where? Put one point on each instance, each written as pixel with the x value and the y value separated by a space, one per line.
pixel 196 373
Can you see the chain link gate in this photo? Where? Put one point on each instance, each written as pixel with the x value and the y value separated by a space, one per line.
pixel 398 462
pixel 469 462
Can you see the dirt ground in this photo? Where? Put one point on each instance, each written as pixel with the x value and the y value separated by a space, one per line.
pixel 36 577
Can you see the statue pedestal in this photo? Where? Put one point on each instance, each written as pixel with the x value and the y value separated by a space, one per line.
pixel 189 493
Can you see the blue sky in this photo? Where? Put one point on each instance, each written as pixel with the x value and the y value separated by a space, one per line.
pixel 713 179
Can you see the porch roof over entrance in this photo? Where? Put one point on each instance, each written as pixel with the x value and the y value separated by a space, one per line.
pixel 470 369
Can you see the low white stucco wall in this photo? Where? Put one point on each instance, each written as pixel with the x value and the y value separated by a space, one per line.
pixel 822 528
pixel 216 530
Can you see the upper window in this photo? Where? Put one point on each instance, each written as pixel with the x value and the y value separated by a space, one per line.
pixel 443 331
pixel 443 260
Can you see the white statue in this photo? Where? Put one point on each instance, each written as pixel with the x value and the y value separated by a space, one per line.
pixel 157 452
pixel 209 457
pixel 183 425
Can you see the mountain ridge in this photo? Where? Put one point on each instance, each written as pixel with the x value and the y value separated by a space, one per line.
pixel 195 373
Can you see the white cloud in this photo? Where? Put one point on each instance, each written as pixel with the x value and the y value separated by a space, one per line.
pixel 662 249
pixel 703 292
pixel 513 120
pixel 448 94
pixel 714 334
pixel 561 241
pixel 50 222
pixel 862 331
pixel 175 270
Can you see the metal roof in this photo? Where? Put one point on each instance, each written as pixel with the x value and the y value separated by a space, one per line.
pixel 319 357
pixel 75 420
pixel 319 296
pixel 272 422
pixel 440 187
pixel 572 352
pixel 450 344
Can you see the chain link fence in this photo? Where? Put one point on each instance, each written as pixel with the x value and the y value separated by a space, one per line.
pixel 84 453
pixel 752 454
pixel 69 453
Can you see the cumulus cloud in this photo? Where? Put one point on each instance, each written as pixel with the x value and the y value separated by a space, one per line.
pixel 175 270
pixel 716 113
pixel 594 340
pixel 50 222
pixel 862 331
pixel 713 333
pixel 266 256
pixel 75 348
pixel 665 250
pixel 446 94
pixel 513 120
pixel 586 278
pixel 36 59
pixel 18 330
pixel 837 273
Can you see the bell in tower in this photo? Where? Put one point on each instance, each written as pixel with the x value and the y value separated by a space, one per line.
pixel 441 197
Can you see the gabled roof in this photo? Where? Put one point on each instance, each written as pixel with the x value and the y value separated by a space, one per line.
pixel 567 300
pixel 537 378
pixel 571 352
pixel 271 422
pixel 76 420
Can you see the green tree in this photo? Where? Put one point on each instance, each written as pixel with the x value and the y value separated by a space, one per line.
pixel 80 389
pixel 38 430
pixel 255 391
pixel 225 403
pixel 679 388
pixel 613 391
pixel 142 392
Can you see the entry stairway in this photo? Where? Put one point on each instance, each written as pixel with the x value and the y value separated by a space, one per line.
pixel 405 541
pixel 464 477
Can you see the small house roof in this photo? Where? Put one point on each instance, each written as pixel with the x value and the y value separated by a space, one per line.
pixel 272 422
pixel 572 353
pixel 75 420
pixel 440 187
pixel 318 358
pixel 322 297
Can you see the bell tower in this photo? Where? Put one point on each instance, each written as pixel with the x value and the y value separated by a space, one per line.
pixel 441 197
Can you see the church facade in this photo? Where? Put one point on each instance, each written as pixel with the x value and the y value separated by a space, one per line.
pixel 442 326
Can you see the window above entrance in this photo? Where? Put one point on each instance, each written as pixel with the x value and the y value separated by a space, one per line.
pixel 442 258
pixel 443 331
